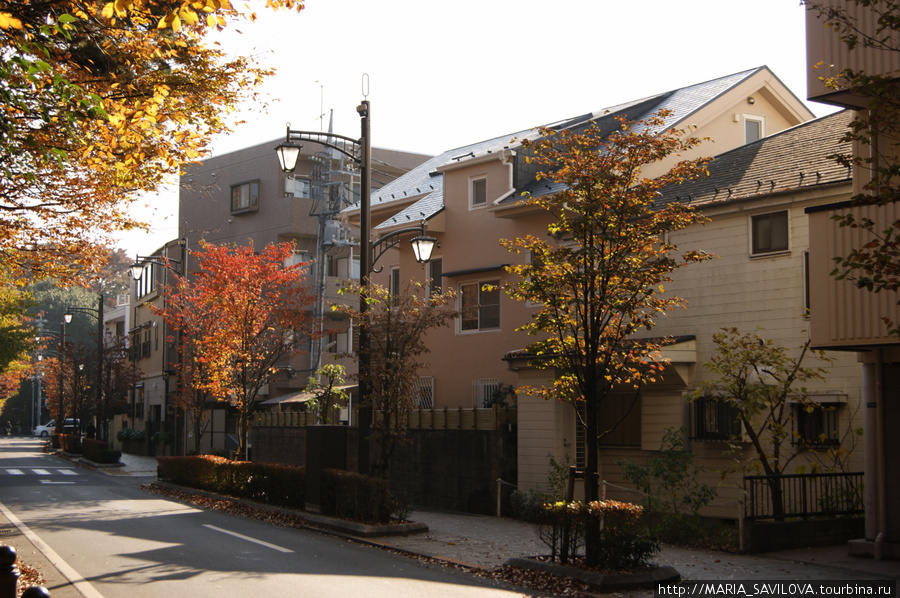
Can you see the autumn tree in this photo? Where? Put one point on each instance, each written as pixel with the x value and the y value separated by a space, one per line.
pixel 326 385
pixel 397 326
pixel 599 274
pixel 256 312
pixel 102 101
pixel 193 318
pixel 764 384
pixel 875 131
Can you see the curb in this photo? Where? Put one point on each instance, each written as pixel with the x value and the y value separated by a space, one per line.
pixel 601 581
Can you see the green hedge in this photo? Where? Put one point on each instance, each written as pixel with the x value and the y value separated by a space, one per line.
pixel 98 451
pixel 272 483
pixel 358 497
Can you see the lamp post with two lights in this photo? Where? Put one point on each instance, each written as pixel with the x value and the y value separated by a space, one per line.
pixel 359 151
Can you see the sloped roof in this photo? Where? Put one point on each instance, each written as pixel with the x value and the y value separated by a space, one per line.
pixel 789 160
pixel 427 182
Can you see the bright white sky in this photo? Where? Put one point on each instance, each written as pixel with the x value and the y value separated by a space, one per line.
pixel 446 74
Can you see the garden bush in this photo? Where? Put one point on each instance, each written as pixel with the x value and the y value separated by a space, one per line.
pixel 70 443
pixel 359 497
pixel 271 483
pixel 98 451
pixel 624 541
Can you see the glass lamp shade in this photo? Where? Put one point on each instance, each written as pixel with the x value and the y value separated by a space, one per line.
pixel 67 318
pixel 288 154
pixel 137 269
pixel 422 247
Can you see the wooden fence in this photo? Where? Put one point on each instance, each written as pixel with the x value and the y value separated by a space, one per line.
pixel 419 419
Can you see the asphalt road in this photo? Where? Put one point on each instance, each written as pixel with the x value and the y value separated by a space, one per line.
pixel 116 540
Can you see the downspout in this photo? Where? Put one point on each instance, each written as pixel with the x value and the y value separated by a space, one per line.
pixel 878 553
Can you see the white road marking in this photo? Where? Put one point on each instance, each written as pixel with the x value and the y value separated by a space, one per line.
pixel 248 538
pixel 15 472
pixel 53 482
pixel 41 471
pixel 68 472
pixel 83 586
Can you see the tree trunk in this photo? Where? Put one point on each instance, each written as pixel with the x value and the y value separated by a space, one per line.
pixel 592 536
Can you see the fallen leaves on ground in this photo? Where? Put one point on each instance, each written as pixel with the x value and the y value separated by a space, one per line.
pixel 535 580
pixel 28 577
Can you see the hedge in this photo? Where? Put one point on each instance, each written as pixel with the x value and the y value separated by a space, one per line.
pixel 271 483
pixel 70 443
pixel 623 540
pixel 358 497
pixel 98 451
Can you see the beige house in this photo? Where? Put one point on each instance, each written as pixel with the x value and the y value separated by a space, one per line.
pixel 470 199
pixel 849 319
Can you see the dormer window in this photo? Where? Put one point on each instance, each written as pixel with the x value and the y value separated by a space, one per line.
pixel 754 128
pixel 478 192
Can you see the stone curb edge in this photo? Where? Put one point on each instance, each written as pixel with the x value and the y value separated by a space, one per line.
pixel 601 581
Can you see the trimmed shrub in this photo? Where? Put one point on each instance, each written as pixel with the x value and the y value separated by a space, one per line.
pixel 271 483
pixel 624 541
pixel 70 443
pixel 358 497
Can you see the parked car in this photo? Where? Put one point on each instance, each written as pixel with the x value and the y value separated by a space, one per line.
pixel 47 429
pixel 44 430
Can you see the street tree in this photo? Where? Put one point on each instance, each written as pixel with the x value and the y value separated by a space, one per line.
pixel 875 131
pixel 102 102
pixel 397 326
pixel 764 383
pixel 256 312
pixel 599 275
pixel 327 386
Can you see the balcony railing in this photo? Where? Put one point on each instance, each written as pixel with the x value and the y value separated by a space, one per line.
pixel 804 495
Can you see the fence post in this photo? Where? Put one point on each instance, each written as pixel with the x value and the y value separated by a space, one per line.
pixel 9 573
pixel 740 504
pixel 499 487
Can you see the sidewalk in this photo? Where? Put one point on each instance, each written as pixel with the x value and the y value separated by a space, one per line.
pixel 487 542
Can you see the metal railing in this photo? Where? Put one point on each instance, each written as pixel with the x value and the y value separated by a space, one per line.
pixel 803 495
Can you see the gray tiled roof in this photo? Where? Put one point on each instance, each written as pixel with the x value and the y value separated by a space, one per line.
pixel 426 182
pixel 794 158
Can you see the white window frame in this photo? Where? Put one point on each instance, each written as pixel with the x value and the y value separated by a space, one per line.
pixel 756 252
pixel 755 118
pixel 482 390
pixel 473 181
pixel 480 287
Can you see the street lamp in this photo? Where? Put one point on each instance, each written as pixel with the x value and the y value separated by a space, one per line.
pixel 140 261
pixel 360 152
pixel 97 313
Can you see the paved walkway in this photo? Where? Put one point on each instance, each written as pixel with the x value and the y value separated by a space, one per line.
pixel 487 542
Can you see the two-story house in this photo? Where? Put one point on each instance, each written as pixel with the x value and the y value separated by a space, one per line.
pixel 471 198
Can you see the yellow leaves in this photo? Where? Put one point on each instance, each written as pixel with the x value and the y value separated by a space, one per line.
pixel 119 9
pixel 7 21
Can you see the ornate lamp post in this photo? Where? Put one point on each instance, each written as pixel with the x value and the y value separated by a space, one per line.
pixel 359 151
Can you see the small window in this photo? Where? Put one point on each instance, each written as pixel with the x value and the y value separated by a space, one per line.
pixel 479 192
pixel 817 426
pixel 480 305
pixel 483 392
pixel 714 420
pixel 435 271
pixel 245 196
pixel 754 128
pixel 395 285
pixel 769 233
pixel 297 187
